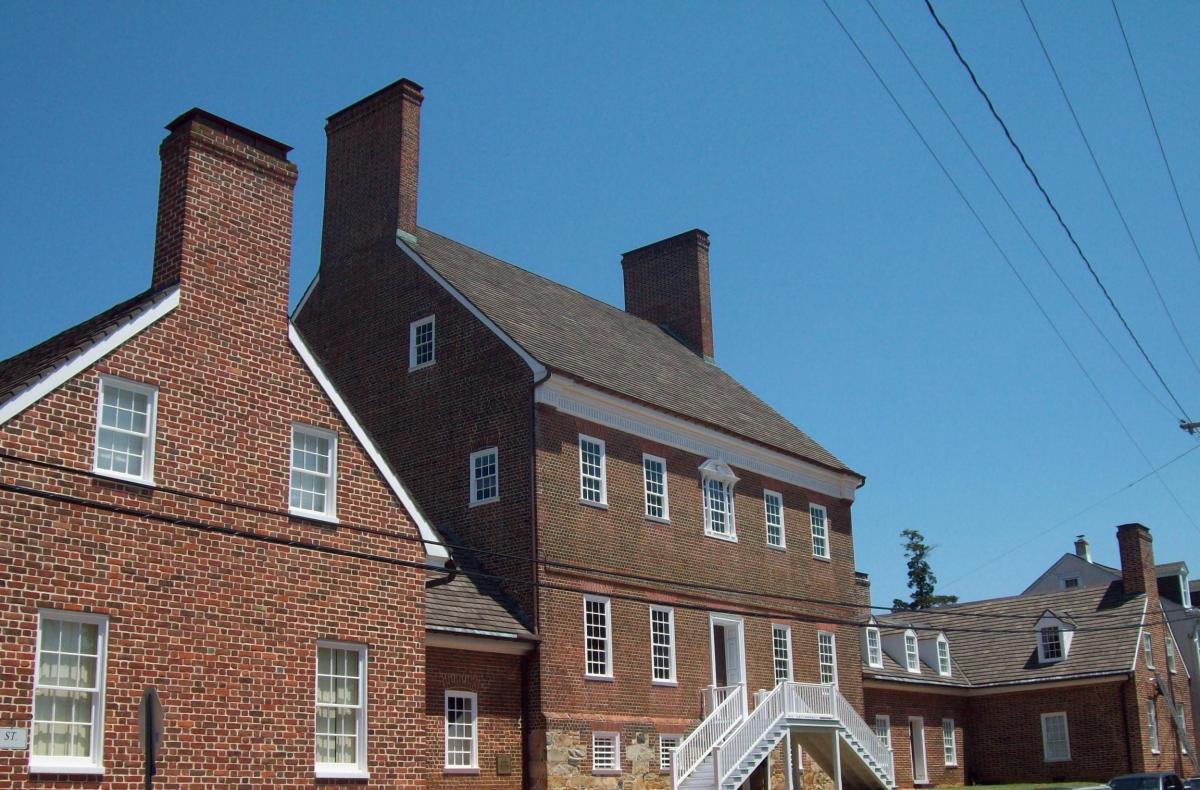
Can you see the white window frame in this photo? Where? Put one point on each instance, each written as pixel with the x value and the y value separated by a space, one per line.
pixel 1148 649
pixel 93 765
pixel 665 518
pixel 945 668
pixel 820 534
pixel 473 699
pixel 786 657
pixel 413 328
pixel 883 728
pixel 615 768
pixel 949 744
pixel 1152 726
pixel 833 656
pixel 726 482
pixel 769 495
pixel 603 479
pixel 608 635
pixel 1067 586
pixel 475 499
pixel 874 647
pixel 1169 643
pixel 1046 756
pixel 1043 654
pixel 654 678
pixel 664 756
pixel 151 393
pixel 912 655
pixel 357 770
pixel 331 479
pixel 1182 723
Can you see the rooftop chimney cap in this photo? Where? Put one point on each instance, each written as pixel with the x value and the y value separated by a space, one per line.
pixel 248 136
pixel 1082 548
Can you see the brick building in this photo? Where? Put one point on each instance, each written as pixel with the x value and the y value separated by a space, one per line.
pixel 1078 682
pixel 631 497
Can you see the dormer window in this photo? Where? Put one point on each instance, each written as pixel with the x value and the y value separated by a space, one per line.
pixel 717 481
pixel 943 656
pixel 874 649
pixel 1071 583
pixel 1050 644
pixel 1054 631
pixel 912 662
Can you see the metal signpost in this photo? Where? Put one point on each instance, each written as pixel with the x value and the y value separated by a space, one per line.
pixel 150 732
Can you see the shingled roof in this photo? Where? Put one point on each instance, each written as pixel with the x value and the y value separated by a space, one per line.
pixel 1001 649
pixel 473 605
pixel 593 342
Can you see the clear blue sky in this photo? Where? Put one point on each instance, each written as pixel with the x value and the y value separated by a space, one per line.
pixel 851 287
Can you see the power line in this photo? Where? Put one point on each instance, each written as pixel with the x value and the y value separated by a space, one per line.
pixel 1108 188
pixel 1154 124
pixel 1050 202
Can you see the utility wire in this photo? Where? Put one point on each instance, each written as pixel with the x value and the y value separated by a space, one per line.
pixel 1108 188
pixel 1013 212
pixel 1162 150
pixel 1066 228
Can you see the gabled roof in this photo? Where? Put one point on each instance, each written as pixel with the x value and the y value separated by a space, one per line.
pixel 1002 650
pixel 473 605
pixel 599 344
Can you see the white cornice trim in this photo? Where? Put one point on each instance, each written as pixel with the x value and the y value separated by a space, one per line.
pixel 478 642
pixel 918 687
pixel 570 397
pixel 76 365
pixel 432 542
pixel 539 370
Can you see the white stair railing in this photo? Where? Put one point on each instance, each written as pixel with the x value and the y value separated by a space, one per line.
pixel 866 737
pixel 746 735
pixel 714 696
pixel 699 743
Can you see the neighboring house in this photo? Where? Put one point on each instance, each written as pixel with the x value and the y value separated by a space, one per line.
pixel 1074 682
pixel 189 506
pixel 630 495
pixel 1175 592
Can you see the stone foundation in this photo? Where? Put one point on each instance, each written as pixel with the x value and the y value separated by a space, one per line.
pixel 568 764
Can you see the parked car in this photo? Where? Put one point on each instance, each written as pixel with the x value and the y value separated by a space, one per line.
pixel 1192 784
pixel 1157 780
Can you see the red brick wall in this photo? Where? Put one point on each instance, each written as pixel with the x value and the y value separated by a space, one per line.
pixel 667 283
pixel 900 706
pixel 495 679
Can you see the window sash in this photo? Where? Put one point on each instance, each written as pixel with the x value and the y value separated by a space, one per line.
pixel 1056 739
pixel 662 644
pixel 591 470
pixel 883 729
pixel 1052 647
pixel 827 656
pixel 340 730
pixel 422 350
pixel 606 751
pixel 912 658
pixel 718 507
pixel 781 645
pixel 949 747
pixel 654 479
pixel 312 489
pixel 485 476
pixel 1148 649
pixel 665 744
pixel 874 648
pixel 819 518
pixel 943 654
pixel 773 510
pixel 1152 725
pixel 1170 647
pixel 597 637
pixel 461 730
pixel 68 711
pixel 126 413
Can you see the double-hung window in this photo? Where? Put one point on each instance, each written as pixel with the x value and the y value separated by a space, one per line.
pixel 1152 725
pixel 662 645
pixel 68 694
pixel 597 637
pixel 606 752
pixel 827 656
pixel 125 419
pixel 943 656
pixel 421 350
pixel 666 744
pixel 883 729
pixel 874 648
pixel 819 518
pixel 949 747
pixel 773 507
pixel 485 476
pixel 1170 646
pixel 912 661
pixel 654 475
pixel 1051 643
pixel 1148 649
pixel 592 485
pixel 462 732
pixel 781 650
pixel 313 488
pixel 1056 740
pixel 341 732
pixel 716 489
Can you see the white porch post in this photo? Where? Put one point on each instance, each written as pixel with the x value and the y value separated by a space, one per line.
pixel 837 762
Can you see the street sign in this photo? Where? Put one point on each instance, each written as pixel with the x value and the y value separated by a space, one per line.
pixel 14 738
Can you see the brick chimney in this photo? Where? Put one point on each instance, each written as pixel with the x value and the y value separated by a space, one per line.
pixel 371 171
pixel 224 229
pixel 1082 549
pixel 1137 562
pixel 666 283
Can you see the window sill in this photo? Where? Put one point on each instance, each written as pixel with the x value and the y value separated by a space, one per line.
pixel 822 558
pixel 120 478
pixel 422 366
pixel 489 501
pixel 658 519
pixel 341 773
pixel 73 769
pixel 461 771
pixel 604 678
pixel 773 547
pixel 719 536
pixel 312 516
pixel 597 505
pixel 606 772
pixel 668 683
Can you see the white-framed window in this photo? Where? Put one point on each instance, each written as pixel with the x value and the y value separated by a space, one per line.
pixel 1070 583
pixel 606 752
pixel 1152 725
pixel 949 746
pixel 666 743
pixel 662 645
pixel 718 508
pixel 883 729
pixel 943 656
pixel 125 416
pixel 773 507
pixel 654 476
pixel 462 731
pixel 820 530
pixel 1183 736
pixel 827 656
pixel 313 487
pixel 422 350
pixel 781 651
pixel 1148 649
pixel 592 485
pixel 597 637
pixel 874 648
pixel 341 715
pixel 68 693
pixel 1050 643
pixel 912 660
pixel 1056 739
pixel 485 476
pixel 1170 645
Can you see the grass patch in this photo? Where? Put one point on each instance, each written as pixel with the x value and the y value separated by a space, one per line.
pixel 1032 786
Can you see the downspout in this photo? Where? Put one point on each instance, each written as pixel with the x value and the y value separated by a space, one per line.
pixel 533 498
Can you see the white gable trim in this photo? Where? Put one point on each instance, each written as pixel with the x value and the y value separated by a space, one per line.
pixel 76 365
pixel 539 370
pixel 578 400
pixel 433 543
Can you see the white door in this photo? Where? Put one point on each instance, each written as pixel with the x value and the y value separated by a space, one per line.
pixel 916 736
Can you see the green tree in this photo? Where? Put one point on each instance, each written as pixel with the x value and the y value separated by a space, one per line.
pixel 921 579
